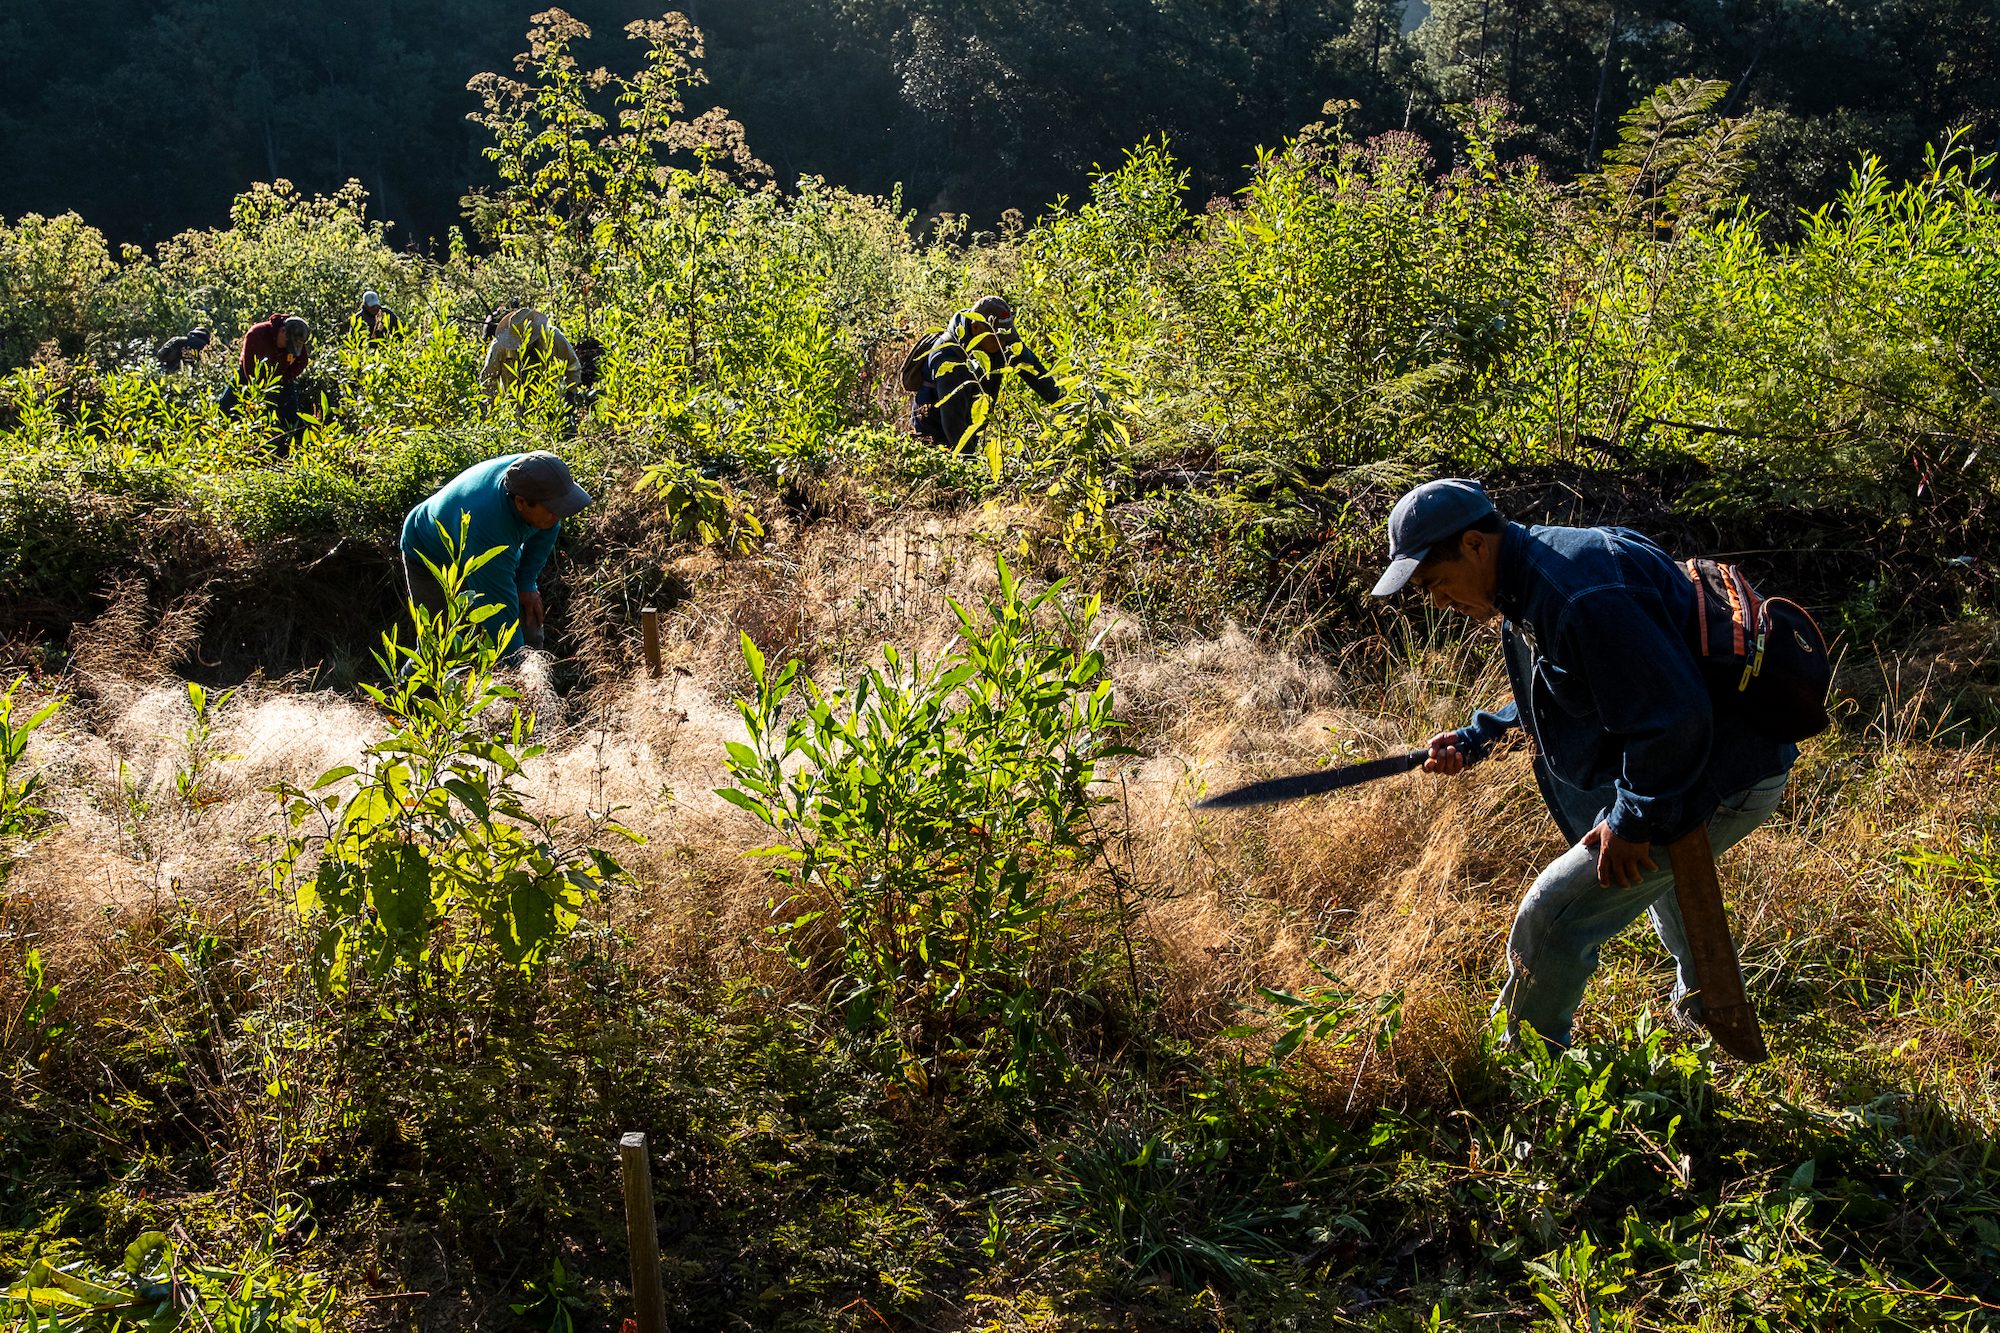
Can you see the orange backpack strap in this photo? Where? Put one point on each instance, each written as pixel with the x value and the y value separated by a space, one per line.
pixel 1700 603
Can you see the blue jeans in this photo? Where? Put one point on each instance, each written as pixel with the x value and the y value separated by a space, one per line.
pixel 1567 915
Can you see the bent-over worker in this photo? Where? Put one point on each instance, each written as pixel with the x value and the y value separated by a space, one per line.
pixel 279 341
pixel 283 343
pixel 1597 627
pixel 969 362
pixel 179 354
pixel 522 339
pixel 516 502
pixel 375 320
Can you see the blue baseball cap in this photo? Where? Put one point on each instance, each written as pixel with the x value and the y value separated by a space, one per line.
pixel 1423 518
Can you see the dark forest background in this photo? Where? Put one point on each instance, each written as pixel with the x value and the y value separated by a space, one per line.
pixel 147 117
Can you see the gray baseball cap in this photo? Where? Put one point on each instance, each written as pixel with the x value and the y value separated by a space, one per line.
pixel 996 311
pixel 298 336
pixel 542 478
pixel 1423 518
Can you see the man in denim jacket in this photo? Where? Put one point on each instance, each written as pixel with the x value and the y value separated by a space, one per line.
pixel 1597 627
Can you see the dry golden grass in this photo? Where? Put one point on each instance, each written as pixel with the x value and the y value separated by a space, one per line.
pixel 1407 884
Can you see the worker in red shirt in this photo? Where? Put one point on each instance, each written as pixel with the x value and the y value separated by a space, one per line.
pixel 281 343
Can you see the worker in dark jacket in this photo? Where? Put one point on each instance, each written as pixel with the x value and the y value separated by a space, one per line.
pixel 968 364
pixel 1597 628
pixel 516 502
pixel 178 354
pixel 375 320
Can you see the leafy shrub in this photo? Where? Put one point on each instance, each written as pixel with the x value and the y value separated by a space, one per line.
pixel 700 507
pixel 54 275
pixel 426 375
pixel 937 823
pixel 63 537
pixel 731 352
pixel 429 860
pixel 1089 275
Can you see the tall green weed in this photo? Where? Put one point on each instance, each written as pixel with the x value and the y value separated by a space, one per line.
pixel 429 860
pixel 936 826
pixel 22 789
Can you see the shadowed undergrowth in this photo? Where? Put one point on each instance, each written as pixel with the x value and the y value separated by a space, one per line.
pixel 322 999
pixel 1258 1086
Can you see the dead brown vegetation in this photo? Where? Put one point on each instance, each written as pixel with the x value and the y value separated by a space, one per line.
pixel 1406 885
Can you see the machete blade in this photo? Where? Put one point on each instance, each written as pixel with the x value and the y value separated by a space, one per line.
pixel 1726 1012
pixel 1292 788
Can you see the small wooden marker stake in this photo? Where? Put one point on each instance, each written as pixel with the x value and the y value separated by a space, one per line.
pixel 649 625
pixel 643 1234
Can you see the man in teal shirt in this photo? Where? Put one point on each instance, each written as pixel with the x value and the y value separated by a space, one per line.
pixel 516 502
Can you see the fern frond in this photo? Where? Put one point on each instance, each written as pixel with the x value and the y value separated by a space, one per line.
pixel 1417 393
pixel 1675 158
pixel 1716 164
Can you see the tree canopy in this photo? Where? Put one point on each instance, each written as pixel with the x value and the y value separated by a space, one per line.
pixel 148 119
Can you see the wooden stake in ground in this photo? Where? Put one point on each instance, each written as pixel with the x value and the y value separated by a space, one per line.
pixel 643 1234
pixel 649 627
pixel 1725 1011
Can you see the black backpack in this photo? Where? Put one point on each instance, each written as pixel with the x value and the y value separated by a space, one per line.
pixel 589 351
pixel 916 371
pixel 1764 657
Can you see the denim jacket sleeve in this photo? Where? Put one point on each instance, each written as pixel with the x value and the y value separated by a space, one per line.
pixel 1479 736
pixel 1652 703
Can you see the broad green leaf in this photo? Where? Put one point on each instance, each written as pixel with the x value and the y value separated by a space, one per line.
pixel 744 802
pixel 400 887
pixel 531 919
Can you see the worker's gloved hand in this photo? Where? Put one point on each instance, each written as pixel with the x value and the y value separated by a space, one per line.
pixel 532 613
pixel 1446 756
